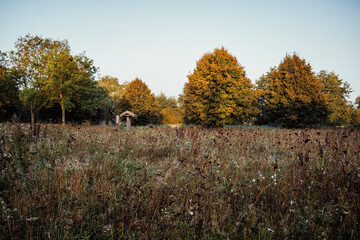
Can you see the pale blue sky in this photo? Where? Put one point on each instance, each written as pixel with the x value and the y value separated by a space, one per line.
pixel 160 41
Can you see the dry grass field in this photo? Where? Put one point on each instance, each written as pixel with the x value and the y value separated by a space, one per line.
pixel 85 182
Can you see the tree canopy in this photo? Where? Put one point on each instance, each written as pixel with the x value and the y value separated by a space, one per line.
pixel 293 94
pixel 114 91
pixel 43 78
pixel 9 88
pixel 30 60
pixel 356 114
pixel 169 109
pixel 137 98
pixel 218 91
pixel 337 92
pixel 52 75
pixel 66 80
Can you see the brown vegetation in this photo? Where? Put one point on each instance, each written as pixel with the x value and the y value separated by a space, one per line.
pixel 93 183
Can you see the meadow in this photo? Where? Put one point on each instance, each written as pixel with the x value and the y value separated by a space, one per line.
pixel 92 182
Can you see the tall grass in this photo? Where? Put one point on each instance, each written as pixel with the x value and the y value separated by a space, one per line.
pixel 103 183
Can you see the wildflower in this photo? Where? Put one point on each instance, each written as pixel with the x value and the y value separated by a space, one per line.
pixel 32 219
pixel 107 227
pixel 270 230
pixel 191 213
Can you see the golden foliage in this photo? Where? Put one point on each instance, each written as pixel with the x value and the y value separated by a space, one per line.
pixel 293 94
pixel 218 91
pixel 171 116
pixel 137 97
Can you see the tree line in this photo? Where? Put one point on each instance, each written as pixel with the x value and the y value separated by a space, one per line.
pixel 43 80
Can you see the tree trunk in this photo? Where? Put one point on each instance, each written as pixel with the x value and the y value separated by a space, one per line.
pixel 62 109
pixel 63 114
pixel 32 114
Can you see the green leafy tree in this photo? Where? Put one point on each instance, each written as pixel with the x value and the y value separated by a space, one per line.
pixel 218 92
pixel 293 95
pixel 261 87
pixel 114 90
pixel 52 75
pixel 29 59
pixel 111 84
pixel 356 111
pixel 68 80
pixel 169 109
pixel 166 102
pixel 59 79
pixel 106 107
pixel 87 93
pixel 181 104
pixel 9 89
pixel 137 97
pixel 338 92
pixel 94 103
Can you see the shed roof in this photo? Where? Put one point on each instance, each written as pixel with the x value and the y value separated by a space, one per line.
pixel 128 114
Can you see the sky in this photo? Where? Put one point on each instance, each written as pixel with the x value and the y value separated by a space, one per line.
pixel 160 41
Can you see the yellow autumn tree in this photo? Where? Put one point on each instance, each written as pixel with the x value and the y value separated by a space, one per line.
pixel 139 99
pixel 218 91
pixel 169 109
pixel 293 95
